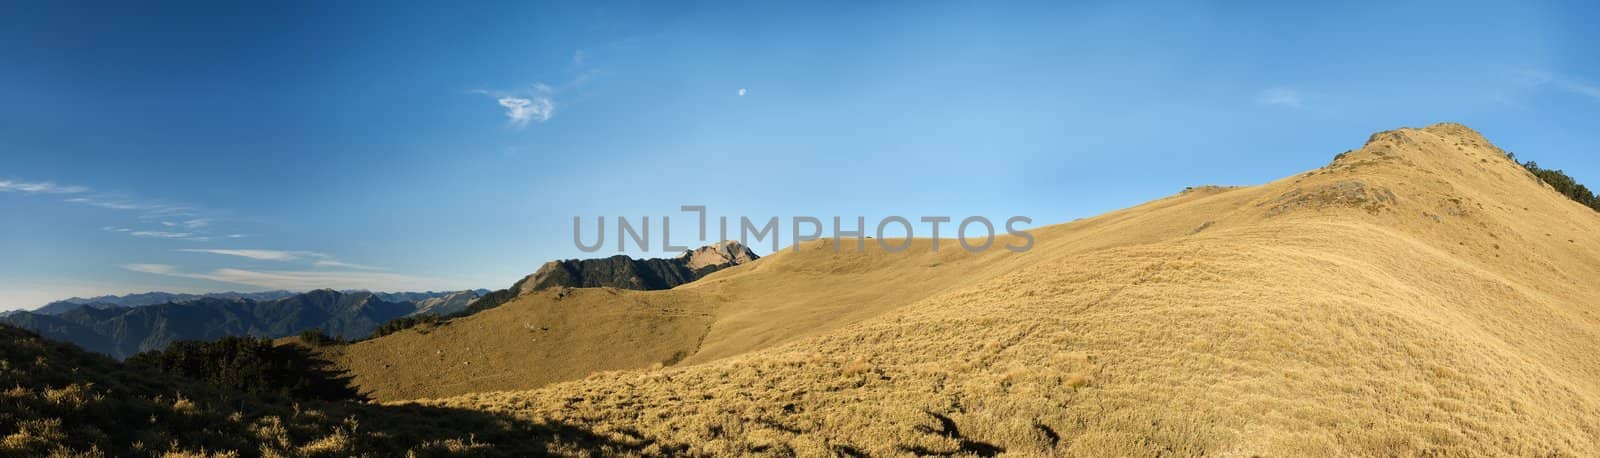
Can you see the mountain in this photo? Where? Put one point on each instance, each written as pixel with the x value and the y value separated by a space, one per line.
pixel 157 297
pixel 422 296
pixel 1422 294
pixel 623 272
pixel 121 332
pixel 448 304
pixel 639 274
pixel 150 298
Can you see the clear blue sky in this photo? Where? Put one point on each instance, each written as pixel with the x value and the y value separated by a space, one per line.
pixel 362 145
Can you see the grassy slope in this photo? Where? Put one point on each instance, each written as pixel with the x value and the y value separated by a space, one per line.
pixel 1421 295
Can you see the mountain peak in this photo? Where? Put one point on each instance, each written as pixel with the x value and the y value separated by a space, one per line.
pixel 1441 146
pixel 718 254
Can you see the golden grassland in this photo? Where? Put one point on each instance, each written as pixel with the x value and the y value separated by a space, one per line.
pixel 1420 296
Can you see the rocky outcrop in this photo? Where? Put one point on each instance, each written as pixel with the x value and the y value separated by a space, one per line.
pixel 716 256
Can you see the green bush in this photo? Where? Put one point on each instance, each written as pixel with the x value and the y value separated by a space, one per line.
pixel 251 365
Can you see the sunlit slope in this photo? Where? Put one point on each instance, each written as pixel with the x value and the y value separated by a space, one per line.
pixel 552 336
pixel 1422 295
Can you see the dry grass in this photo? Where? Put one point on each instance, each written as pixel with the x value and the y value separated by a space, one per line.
pixel 1415 297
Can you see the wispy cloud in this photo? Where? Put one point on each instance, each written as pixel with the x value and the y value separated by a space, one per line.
pixel 177 221
pixel 40 187
pixel 1280 97
pixel 537 102
pixel 264 255
pixel 161 234
pixel 317 259
pixel 1528 81
pixel 521 111
pixel 334 263
pixel 159 269
pixel 148 210
pixel 158 234
pixel 297 280
pixel 189 224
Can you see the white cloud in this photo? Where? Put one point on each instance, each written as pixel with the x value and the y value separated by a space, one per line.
pixel 521 110
pixel 1279 96
pixel 264 255
pixel 39 187
pixel 298 280
pixel 741 92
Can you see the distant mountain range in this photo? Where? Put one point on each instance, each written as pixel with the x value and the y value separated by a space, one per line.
pixel 121 326
pixel 150 298
pixel 158 297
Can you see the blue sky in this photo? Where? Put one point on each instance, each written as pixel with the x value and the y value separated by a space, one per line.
pixel 363 145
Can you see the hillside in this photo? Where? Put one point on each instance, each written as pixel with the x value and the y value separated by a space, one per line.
pixel 63 401
pixel 1420 295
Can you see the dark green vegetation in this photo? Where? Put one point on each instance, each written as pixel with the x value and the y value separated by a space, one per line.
pixel 1562 183
pixel 122 332
pixel 406 322
pixel 317 338
pixel 59 400
pixel 253 366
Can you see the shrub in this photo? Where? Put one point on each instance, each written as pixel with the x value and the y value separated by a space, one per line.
pixel 406 322
pixel 1565 185
pixel 317 338
pixel 251 365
